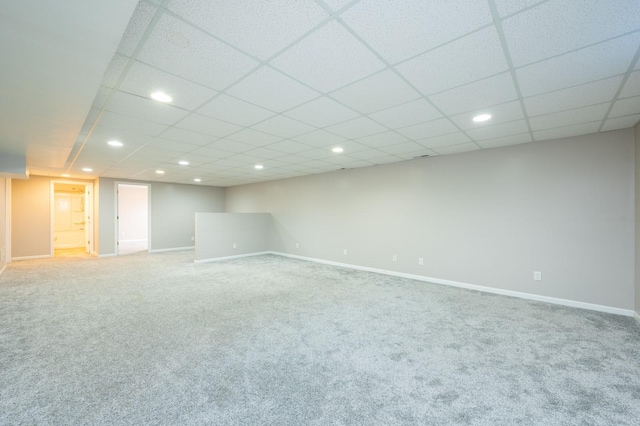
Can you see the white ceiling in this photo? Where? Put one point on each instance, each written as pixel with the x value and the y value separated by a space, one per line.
pixel 280 83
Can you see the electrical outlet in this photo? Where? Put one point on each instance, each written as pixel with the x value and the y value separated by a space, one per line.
pixel 537 276
pixel 395 258
pixel 344 252
pixel 420 261
pixel 235 245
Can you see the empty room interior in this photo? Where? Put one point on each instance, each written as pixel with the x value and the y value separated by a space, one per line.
pixel 320 212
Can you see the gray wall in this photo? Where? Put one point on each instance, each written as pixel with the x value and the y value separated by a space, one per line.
pixel 637 233
pixel 491 218
pixel 173 208
pixel 218 233
pixel 3 223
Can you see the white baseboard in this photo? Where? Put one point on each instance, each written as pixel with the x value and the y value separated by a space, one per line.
pixel 521 295
pixel 636 316
pixel 218 259
pixel 100 256
pixel 171 249
pixel 42 256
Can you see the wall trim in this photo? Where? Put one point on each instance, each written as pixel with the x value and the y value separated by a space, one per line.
pixel 636 316
pixel 520 295
pixel 238 256
pixel 171 249
pixel 41 256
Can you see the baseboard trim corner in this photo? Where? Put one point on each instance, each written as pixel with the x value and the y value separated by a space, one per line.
pixel 171 249
pixel 467 286
pixel 238 256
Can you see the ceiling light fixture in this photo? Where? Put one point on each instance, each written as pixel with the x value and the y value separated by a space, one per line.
pixel 115 143
pixel 183 163
pixel 258 167
pixel 161 97
pixel 160 172
pixel 197 180
pixel 337 150
pixel 482 117
pixel 87 169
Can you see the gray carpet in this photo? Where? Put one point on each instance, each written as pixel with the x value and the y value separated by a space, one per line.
pixel 157 339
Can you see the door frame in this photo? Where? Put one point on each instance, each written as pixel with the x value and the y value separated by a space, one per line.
pixel 116 218
pixel 89 224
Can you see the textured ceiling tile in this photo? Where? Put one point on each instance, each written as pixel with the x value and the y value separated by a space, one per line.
pixel 289 146
pixel 506 141
pixel 574 116
pixel 229 145
pixel 568 131
pixel 118 122
pixel 383 139
pixel 234 111
pixel 554 27
pixel 380 91
pixel 445 140
pixel 189 53
pixel 399 30
pixel 284 127
pixel 144 108
pixel 208 126
pixel 172 145
pixel 510 111
pixel 508 7
pixel 621 122
pixel 476 95
pixel 182 135
pixel 632 86
pixel 401 148
pixel 407 114
pixel 140 20
pixel 254 137
pixel 265 153
pixel 582 66
pixel 142 80
pixel 337 4
pixel 328 59
pixel 498 130
pixel 321 112
pixel 456 149
pixel 470 58
pixel 573 97
pixel 319 138
pixel 429 130
pixel 626 106
pixel 356 128
pixel 250 25
pixel 272 90
pixel 114 71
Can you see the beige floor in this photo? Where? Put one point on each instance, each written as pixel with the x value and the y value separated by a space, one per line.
pixel 76 252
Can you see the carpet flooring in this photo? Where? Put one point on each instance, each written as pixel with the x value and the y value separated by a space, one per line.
pixel 156 339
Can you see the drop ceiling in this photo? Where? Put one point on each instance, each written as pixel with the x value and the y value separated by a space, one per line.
pixel 280 83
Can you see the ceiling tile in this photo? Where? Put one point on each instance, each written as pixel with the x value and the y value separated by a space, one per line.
pixel 356 128
pixel 470 58
pixel 180 49
pixel 265 153
pixel 407 114
pixel 573 97
pixel 102 97
pixel 172 145
pixel 506 141
pixel 316 153
pixel 123 123
pixel 456 149
pixel 578 67
pixel 382 90
pixel 508 7
pixel 626 106
pixel 272 90
pixel 144 108
pixel 321 112
pixel 142 80
pixel 397 29
pixel 337 4
pixel 574 116
pixel 445 140
pixel 208 126
pixel 510 111
pixel 187 136
pixel 368 154
pixel 319 138
pixel 138 24
pixel 294 160
pixel 632 86
pixel 557 28
pixel 401 148
pixel 351 147
pixel 386 160
pixel 621 122
pixel 413 155
pixel 222 148
pixel 383 139
pixel 250 25
pixel 289 146
pixel 234 111
pixel 254 137
pixel 568 131
pixel 114 71
pixel 328 59
pixel 283 127
pixel 429 130
pixel 498 130
pixel 480 94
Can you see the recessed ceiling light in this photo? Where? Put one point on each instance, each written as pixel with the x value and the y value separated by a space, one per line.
pixel 160 172
pixel 87 169
pixel 197 180
pixel 66 175
pixel 337 150
pixel 259 167
pixel 183 163
pixel 115 143
pixel 161 97
pixel 482 117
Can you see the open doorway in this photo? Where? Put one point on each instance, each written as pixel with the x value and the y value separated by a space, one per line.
pixel 71 219
pixel 132 218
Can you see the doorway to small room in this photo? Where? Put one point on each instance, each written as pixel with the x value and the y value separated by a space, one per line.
pixel 71 219
pixel 132 218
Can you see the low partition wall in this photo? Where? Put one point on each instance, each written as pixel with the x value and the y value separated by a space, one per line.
pixel 226 235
